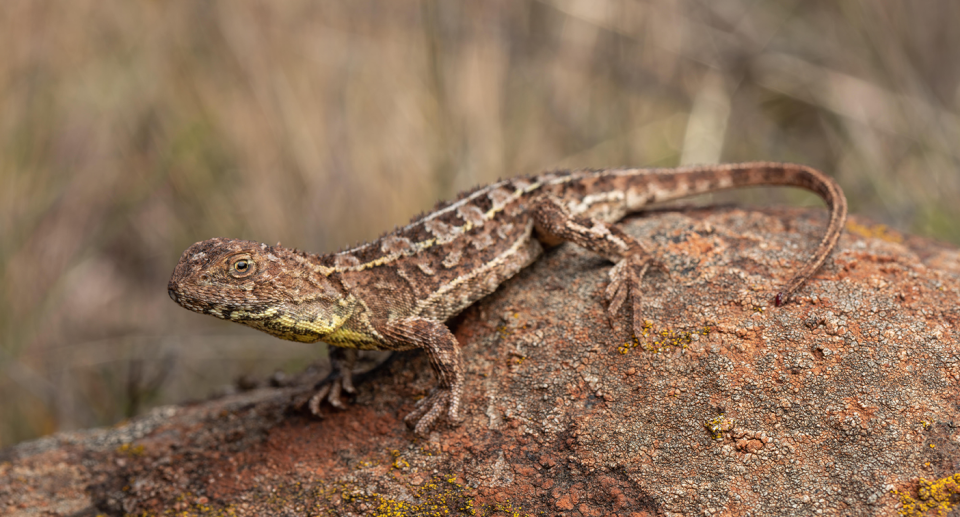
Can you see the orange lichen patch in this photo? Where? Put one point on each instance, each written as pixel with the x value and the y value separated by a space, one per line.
pixel 306 446
pixel 695 244
pixel 876 231
pixel 942 495
pixel 658 341
pixel 856 408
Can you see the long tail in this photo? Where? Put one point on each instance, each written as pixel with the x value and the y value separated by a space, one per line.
pixel 610 194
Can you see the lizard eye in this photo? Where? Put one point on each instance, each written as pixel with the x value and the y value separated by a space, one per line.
pixel 242 266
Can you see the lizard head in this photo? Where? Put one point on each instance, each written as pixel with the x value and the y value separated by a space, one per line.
pixel 271 288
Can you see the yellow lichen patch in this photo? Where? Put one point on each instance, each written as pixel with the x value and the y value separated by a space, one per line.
pixel 942 495
pixel 509 325
pixel 130 449
pixel 718 425
pixel 398 462
pixel 657 342
pixel 877 231
pixel 366 464
pixel 441 496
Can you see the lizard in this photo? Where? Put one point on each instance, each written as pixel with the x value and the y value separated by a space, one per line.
pixel 396 292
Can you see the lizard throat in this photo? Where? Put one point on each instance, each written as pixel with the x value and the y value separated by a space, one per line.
pixel 291 326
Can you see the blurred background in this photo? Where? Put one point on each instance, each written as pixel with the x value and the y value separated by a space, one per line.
pixel 130 130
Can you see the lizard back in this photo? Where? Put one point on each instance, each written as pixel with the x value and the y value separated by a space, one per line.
pixel 445 260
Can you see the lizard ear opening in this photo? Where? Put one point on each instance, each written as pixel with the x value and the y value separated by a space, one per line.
pixel 242 266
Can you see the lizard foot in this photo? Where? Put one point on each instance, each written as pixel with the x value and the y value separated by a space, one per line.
pixel 330 389
pixel 429 409
pixel 338 381
pixel 625 280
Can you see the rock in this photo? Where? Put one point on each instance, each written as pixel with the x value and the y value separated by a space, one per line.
pixel 843 401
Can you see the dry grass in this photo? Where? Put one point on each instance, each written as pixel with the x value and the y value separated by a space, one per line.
pixel 129 130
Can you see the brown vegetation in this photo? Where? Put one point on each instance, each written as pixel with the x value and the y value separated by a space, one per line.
pixel 129 130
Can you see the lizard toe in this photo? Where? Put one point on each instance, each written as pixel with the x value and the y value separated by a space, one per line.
pixel 616 292
pixel 430 409
pixel 329 391
pixel 314 404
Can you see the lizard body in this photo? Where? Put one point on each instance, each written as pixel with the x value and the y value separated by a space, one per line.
pixel 396 292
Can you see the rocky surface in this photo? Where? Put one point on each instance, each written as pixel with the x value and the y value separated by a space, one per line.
pixel 843 402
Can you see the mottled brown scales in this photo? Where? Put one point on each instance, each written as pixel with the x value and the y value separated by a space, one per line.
pixel 396 293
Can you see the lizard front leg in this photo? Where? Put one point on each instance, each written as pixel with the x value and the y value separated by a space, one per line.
pixel 444 353
pixel 554 224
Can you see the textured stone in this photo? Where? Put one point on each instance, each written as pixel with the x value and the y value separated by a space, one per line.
pixel 836 404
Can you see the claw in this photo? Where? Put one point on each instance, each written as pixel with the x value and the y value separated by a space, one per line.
pixel 429 409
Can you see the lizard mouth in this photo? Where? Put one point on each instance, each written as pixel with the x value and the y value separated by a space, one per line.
pixel 185 301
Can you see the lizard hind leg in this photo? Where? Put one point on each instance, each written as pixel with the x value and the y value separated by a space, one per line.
pixel 631 259
pixel 342 362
